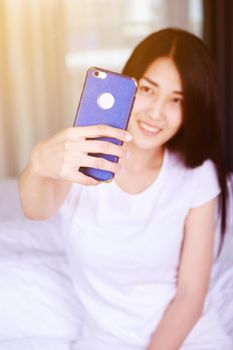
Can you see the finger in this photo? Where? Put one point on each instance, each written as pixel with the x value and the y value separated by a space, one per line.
pixel 99 163
pixel 103 147
pixel 83 179
pixel 75 133
pixel 76 176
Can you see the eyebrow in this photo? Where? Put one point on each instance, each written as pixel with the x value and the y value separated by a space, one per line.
pixel 157 85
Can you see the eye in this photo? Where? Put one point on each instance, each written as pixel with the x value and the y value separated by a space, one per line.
pixel 145 89
pixel 177 100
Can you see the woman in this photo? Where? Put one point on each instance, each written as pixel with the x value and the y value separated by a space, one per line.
pixel 141 247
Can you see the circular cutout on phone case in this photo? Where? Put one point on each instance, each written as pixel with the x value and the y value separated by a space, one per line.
pixel 105 100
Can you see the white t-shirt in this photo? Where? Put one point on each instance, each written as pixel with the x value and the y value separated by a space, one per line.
pixel 124 251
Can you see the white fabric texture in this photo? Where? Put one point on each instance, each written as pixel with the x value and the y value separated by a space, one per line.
pixel 124 252
pixel 35 343
pixel 37 302
pixel 38 308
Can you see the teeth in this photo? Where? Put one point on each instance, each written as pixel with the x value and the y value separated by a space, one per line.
pixel 149 128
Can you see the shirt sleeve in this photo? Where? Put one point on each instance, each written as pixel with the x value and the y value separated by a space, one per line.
pixel 205 186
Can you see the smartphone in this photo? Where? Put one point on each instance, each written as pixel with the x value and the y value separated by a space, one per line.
pixel 107 98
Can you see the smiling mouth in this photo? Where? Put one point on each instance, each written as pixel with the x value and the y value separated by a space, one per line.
pixel 147 129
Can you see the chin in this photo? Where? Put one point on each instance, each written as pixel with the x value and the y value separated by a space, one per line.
pixel 143 141
pixel 145 144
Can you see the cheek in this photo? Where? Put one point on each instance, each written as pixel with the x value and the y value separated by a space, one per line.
pixel 174 116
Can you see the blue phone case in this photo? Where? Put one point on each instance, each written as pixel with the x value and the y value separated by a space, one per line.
pixel 102 88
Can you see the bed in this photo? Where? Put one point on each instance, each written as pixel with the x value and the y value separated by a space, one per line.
pixel 38 309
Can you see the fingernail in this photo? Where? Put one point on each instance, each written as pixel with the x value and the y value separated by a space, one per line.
pixel 128 137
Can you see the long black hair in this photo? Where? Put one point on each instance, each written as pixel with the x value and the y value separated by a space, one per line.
pixel 201 135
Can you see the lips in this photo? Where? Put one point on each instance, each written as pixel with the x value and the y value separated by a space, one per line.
pixel 148 129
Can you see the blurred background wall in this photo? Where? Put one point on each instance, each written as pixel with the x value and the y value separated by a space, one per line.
pixel 46 47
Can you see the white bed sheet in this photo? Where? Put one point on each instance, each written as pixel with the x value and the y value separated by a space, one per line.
pixel 37 303
pixel 38 309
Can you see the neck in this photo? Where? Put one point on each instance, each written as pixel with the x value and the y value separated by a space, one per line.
pixel 141 160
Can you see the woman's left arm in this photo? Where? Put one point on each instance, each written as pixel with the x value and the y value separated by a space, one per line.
pixel 193 279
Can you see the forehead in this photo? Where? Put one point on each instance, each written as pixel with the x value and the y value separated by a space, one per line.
pixel 164 72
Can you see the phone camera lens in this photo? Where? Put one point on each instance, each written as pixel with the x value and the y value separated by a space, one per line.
pixel 96 73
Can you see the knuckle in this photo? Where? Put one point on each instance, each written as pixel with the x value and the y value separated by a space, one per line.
pixel 69 132
pixel 66 146
pixel 104 147
pixel 66 159
pixel 99 162
pixel 62 172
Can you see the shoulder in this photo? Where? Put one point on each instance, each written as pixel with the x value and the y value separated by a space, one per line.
pixel 201 182
pixel 206 169
pixel 206 183
pixel 176 162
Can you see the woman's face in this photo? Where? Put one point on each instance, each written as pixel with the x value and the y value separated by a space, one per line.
pixel 157 113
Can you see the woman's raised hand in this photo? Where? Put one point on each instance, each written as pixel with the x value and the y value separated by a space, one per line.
pixel 61 156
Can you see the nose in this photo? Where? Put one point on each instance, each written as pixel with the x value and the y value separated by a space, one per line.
pixel 156 109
